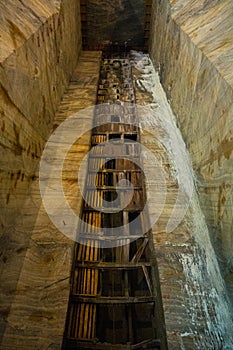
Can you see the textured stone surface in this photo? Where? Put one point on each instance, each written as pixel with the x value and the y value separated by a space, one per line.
pixel 20 20
pixel 196 308
pixel 33 73
pixel 115 21
pixel 192 46
pixel 40 44
pixel 35 317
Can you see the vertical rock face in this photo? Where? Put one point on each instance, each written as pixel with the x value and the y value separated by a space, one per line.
pixel 192 46
pixel 196 307
pixel 36 61
pixel 40 43
pixel 115 21
pixel 35 313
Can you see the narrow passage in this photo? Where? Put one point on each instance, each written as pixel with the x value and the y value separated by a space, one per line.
pixel 113 298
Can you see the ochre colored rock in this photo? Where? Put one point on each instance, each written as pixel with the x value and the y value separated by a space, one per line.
pixel 192 46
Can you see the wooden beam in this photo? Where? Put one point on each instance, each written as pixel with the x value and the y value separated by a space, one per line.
pixel 91 299
pixel 111 265
pixel 147 344
pixel 102 237
pixel 147 277
pixel 140 251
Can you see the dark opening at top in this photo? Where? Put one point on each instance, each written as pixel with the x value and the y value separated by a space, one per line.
pixel 117 26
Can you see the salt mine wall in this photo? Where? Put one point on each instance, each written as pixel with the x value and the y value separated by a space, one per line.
pixel 196 307
pixel 192 46
pixel 40 44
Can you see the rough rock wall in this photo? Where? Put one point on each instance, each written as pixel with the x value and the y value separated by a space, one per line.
pixel 36 318
pixel 192 46
pixel 39 50
pixel 115 21
pixel 196 307
pixel 40 43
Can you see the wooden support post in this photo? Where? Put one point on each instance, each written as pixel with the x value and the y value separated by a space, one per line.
pixel 147 277
pixel 140 251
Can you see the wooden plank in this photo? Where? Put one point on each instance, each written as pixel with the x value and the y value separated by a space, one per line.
pixel 80 320
pixel 140 251
pixel 86 321
pixel 147 277
pixel 112 265
pixel 93 334
pixel 147 344
pixel 111 300
pixel 102 237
